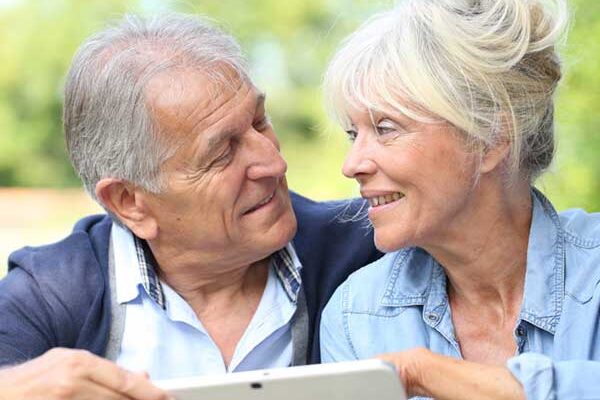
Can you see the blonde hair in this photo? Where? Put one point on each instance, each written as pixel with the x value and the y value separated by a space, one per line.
pixel 488 67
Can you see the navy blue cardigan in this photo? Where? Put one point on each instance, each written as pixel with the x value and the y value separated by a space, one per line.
pixel 58 295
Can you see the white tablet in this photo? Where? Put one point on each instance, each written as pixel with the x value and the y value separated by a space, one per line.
pixel 353 380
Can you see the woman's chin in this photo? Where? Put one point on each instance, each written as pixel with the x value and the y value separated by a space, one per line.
pixel 388 245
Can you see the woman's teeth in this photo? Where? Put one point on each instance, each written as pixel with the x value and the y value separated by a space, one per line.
pixel 382 200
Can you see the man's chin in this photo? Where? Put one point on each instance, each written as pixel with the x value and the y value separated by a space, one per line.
pixel 285 227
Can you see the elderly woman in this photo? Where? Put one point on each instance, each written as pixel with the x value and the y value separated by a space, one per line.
pixel 486 291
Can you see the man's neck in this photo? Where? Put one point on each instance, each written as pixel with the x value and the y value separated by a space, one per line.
pixel 224 303
pixel 205 290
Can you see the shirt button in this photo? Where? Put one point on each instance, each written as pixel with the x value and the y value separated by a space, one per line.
pixel 520 331
pixel 432 317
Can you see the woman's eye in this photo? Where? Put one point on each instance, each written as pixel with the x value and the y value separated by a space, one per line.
pixel 385 129
pixel 351 134
pixel 386 126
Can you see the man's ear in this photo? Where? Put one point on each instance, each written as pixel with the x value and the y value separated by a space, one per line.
pixel 129 204
pixel 494 156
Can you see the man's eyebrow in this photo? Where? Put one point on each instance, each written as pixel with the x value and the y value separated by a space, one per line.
pixel 214 141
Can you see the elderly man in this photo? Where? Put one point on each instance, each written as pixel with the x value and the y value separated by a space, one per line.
pixel 205 264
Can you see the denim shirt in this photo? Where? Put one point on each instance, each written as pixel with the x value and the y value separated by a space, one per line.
pixel 400 302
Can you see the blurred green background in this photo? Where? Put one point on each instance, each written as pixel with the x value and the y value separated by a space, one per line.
pixel 288 43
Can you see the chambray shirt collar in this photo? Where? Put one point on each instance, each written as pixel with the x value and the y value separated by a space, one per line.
pixel 285 262
pixel 411 279
pixel 545 275
pixel 416 279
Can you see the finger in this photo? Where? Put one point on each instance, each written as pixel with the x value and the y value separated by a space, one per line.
pixel 144 374
pixel 401 370
pixel 88 390
pixel 389 358
pixel 115 378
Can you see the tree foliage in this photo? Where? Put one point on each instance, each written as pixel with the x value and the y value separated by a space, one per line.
pixel 288 44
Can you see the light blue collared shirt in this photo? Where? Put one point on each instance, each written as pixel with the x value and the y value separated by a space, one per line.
pixel 400 302
pixel 163 336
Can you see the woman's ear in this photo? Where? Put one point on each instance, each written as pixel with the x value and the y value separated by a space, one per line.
pixel 128 204
pixel 494 155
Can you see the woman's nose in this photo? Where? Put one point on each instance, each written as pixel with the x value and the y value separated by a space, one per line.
pixel 358 161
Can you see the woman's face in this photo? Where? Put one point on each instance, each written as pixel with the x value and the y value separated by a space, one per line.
pixel 418 177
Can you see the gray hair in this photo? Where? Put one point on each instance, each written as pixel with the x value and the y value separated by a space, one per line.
pixel 109 127
pixel 488 67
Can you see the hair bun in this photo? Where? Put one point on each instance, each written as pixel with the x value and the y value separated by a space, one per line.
pixel 498 33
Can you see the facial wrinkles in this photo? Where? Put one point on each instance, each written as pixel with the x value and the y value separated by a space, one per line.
pixel 242 112
pixel 239 109
pixel 225 97
pixel 212 129
pixel 181 102
pixel 193 178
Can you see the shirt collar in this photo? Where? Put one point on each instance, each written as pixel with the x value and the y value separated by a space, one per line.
pixel 410 280
pixel 130 251
pixel 127 277
pixel 286 264
pixel 545 275
pixel 148 266
pixel 417 279
pixel 134 267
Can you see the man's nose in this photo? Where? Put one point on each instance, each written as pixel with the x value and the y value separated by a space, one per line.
pixel 358 161
pixel 265 159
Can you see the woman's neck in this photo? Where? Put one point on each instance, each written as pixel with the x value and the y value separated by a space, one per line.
pixel 484 251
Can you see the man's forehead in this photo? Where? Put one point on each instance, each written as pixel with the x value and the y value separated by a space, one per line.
pixel 181 99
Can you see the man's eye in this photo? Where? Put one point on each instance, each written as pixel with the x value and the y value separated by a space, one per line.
pixel 351 134
pixel 223 158
pixel 262 123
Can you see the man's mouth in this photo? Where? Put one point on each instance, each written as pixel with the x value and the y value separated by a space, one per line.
pixel 262 203
pixel 382 200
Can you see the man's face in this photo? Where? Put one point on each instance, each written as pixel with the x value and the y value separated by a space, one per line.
pixel 226 202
